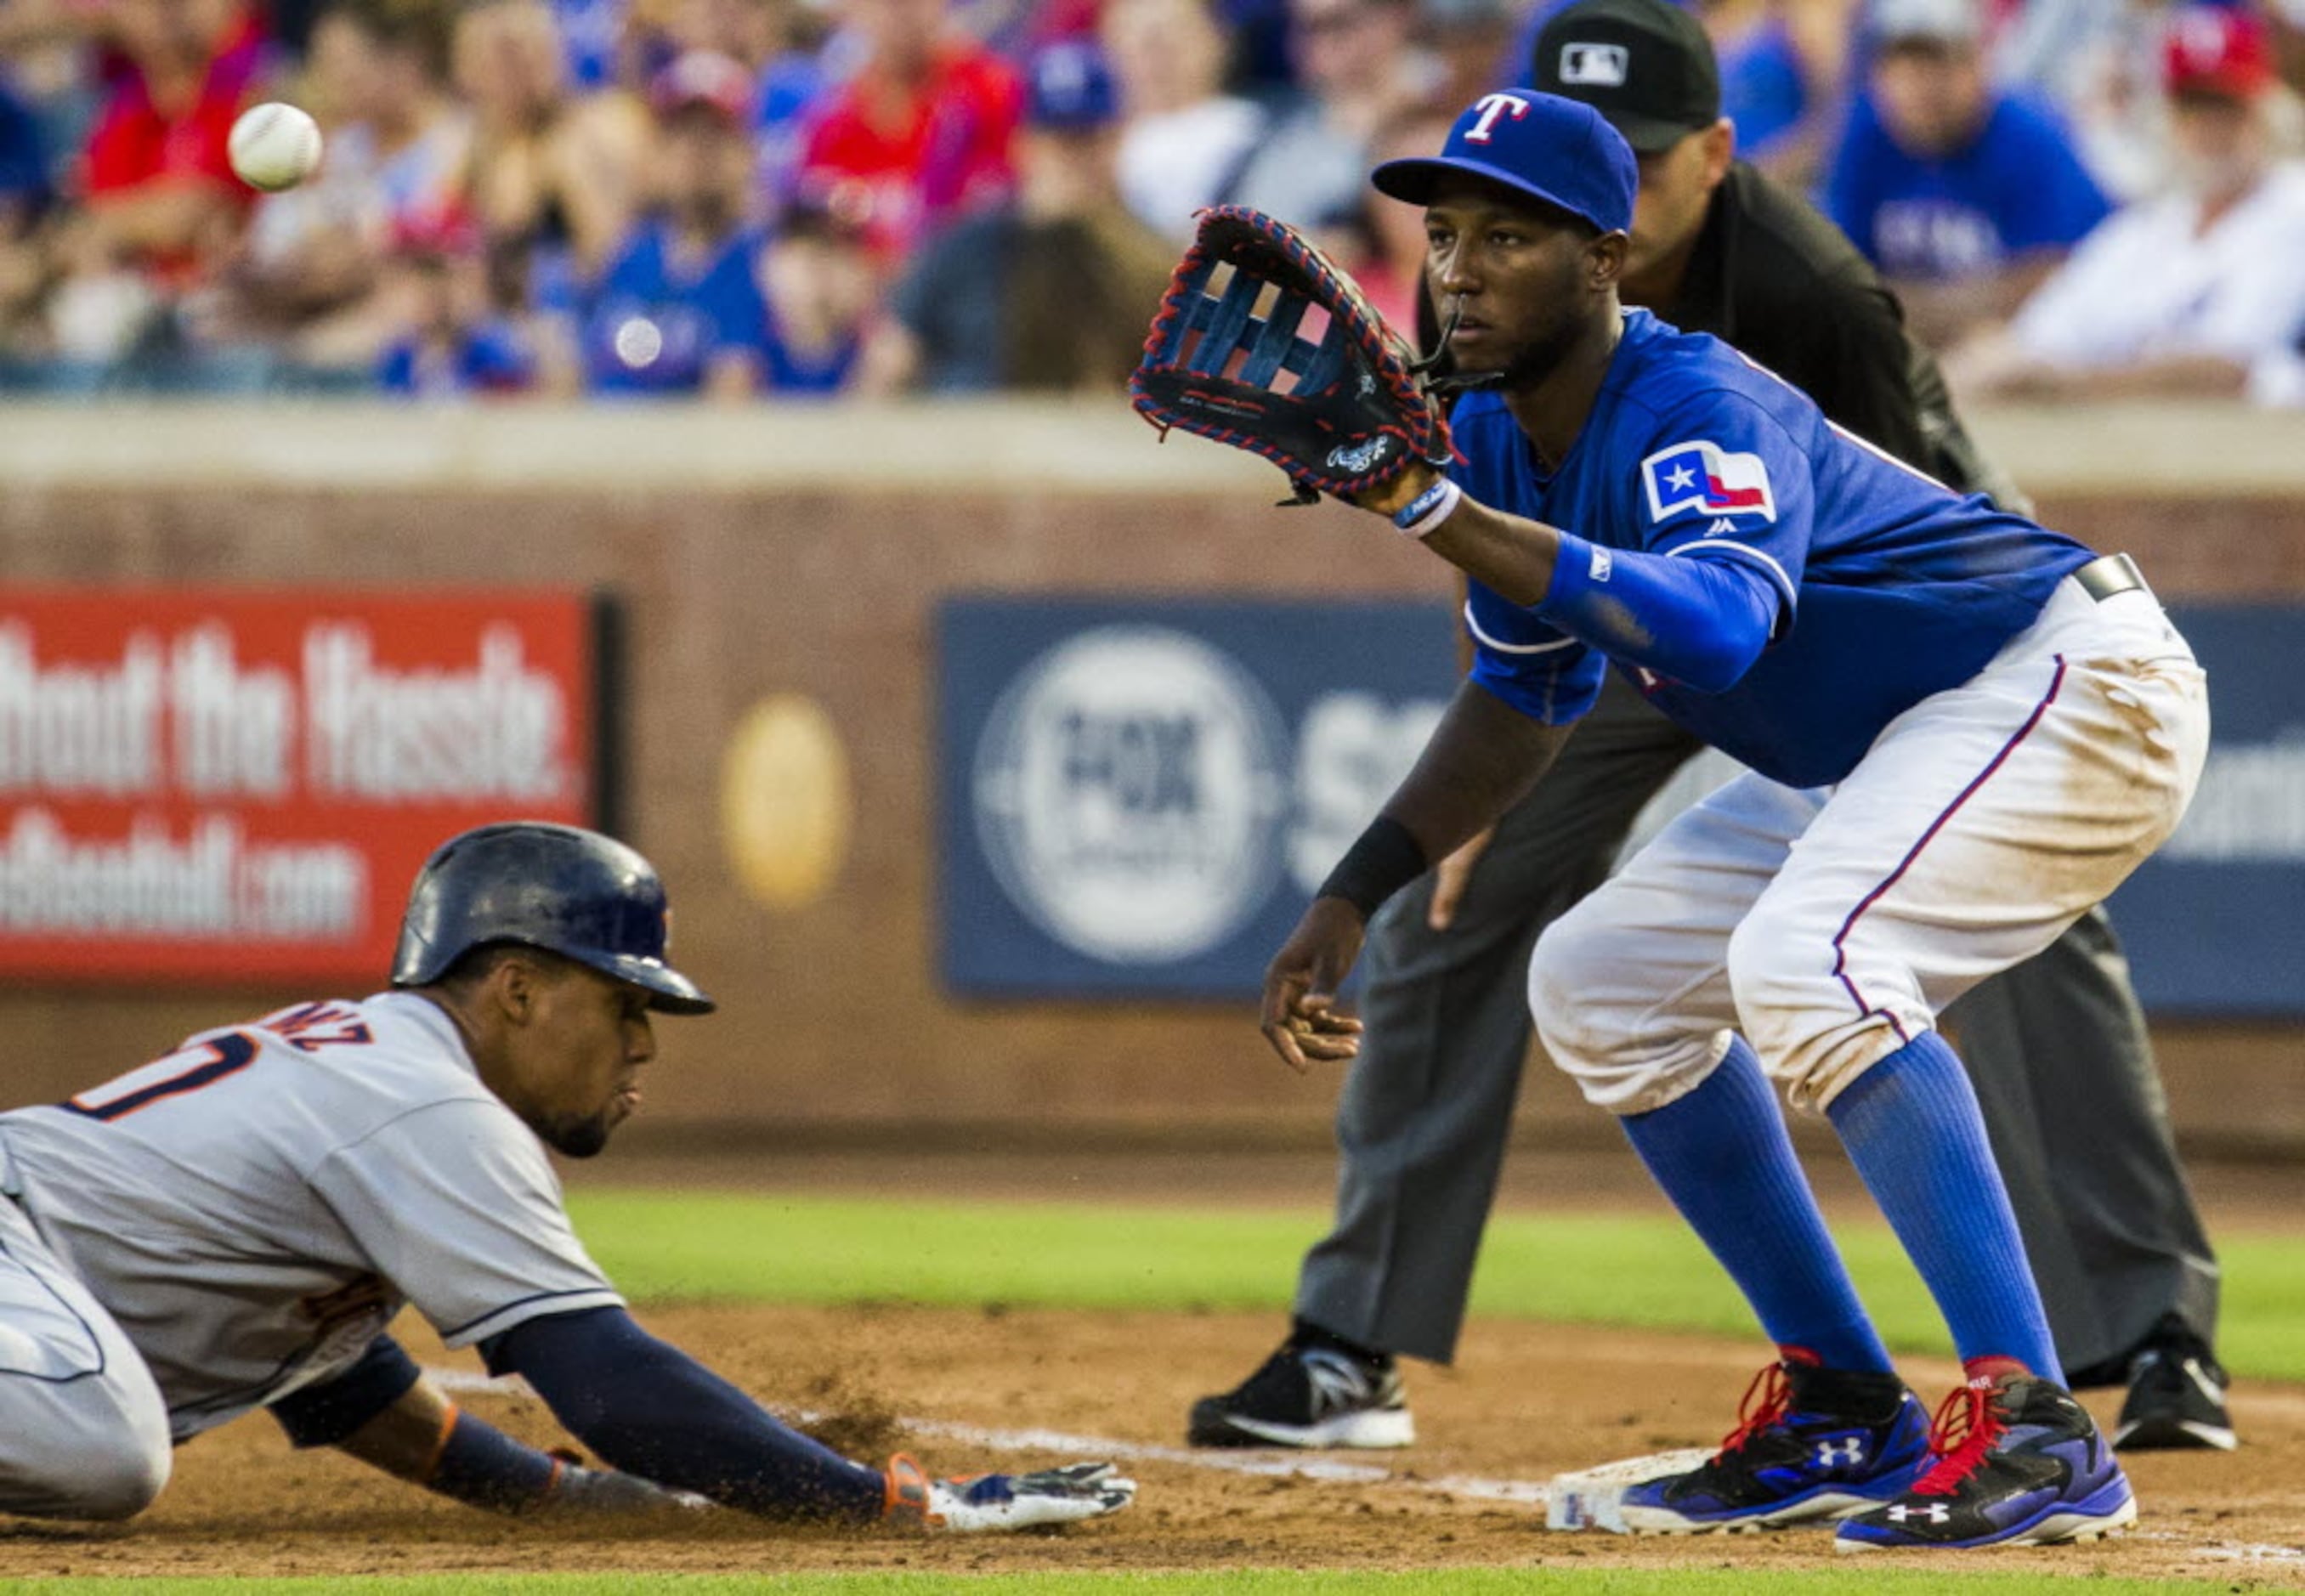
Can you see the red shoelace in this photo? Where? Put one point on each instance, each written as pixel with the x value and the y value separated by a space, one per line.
pixel 1765 1402
pixel 1964 1430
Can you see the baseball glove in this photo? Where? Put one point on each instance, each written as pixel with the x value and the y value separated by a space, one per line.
pixel 1265 344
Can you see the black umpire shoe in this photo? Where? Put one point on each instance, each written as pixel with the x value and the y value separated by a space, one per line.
pixel 2176 1395
pixel 1318 1390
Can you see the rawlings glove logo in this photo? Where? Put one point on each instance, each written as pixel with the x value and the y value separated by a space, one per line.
pixel 1361 458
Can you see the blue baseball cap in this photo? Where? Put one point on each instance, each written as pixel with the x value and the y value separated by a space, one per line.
pixel 1069 89
pixel 1560 151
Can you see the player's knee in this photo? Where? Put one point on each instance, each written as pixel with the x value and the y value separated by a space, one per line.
pixel 1788 999
pixel 109 1476
pixel 1772 977
pixel 1563 977
pixel 129 1484
pixel 1807 1025
pixel 1595 1031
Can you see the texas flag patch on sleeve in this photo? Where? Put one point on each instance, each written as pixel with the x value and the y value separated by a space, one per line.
pixel 1704 477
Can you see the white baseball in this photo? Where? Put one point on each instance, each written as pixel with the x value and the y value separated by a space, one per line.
pixel 274 146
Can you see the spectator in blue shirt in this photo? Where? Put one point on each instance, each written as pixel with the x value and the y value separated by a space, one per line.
pixel 23 153
pixel 24 196
pixel 1767 88
pixel 678 311
pixel 449 343
pixel 817 279
pixel 1965 197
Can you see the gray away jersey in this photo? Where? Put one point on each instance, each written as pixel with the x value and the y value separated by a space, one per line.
pixel 254 1208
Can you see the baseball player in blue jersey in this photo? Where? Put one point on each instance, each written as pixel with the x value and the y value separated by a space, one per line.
pixel 1962 731
pixel 234 1227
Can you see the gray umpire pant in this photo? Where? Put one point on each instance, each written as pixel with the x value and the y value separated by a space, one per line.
pixel 2056 1048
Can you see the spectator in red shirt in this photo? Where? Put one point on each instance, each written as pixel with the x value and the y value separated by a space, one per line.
pixel 159 188
pixel 919 134
pixel 162 208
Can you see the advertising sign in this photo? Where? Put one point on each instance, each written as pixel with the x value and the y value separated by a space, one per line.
pixel 234 785
pixel 1140 797
pixel 2215 922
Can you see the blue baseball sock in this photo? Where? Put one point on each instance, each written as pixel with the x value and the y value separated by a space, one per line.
pixel 1723 1154
pixel 1913 1129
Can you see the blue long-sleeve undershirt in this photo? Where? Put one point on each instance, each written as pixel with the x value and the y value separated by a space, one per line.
pixel 649 1409
pixel 1697 619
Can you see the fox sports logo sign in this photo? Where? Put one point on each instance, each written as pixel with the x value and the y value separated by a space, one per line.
pixel 1130 789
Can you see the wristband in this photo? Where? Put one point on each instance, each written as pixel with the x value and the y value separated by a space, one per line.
pixel 1384 859
pixel 1429 509
pixel 481 1465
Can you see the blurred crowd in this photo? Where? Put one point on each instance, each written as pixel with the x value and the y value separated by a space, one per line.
pixel 733 198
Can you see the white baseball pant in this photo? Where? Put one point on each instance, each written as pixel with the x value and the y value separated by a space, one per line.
pixel 1829 926
pixel 83 1429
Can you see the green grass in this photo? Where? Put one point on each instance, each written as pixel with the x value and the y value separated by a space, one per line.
pixel 1644 1272
pixel 1454 1582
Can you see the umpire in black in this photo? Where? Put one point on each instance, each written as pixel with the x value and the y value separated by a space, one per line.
pixel 2057 1046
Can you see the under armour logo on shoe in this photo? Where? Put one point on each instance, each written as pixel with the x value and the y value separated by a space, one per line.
pixel 1846 1450
pixel 1931 1513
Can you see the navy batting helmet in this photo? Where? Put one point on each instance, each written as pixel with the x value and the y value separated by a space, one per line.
pixel 572 892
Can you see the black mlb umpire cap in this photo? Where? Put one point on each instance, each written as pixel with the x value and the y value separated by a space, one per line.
pixel 1644 64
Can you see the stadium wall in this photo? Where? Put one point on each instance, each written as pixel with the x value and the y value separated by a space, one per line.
pixel 766 552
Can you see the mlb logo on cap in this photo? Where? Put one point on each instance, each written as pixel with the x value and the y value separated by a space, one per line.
pixel 1547 147
pixel 1597 66
pixel 1644 64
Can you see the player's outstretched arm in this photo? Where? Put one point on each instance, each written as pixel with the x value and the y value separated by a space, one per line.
pixel 1481 760
pixel 654 1410
pixel 1701 621
pixel 385 1413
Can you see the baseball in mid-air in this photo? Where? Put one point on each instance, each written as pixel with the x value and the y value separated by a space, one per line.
pixel 274 146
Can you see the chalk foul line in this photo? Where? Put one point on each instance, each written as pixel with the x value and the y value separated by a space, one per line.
pixel 1323 1471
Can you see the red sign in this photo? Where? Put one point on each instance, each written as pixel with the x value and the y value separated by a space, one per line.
pixel 238 785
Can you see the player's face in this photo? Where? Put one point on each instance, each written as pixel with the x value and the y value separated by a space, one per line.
pixel 577 1059
pixel 1524 282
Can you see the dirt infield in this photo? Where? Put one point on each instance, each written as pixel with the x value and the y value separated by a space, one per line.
pixel 1526 1400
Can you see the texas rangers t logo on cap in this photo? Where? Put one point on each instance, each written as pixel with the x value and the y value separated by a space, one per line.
pixel 1492 107
pixel 1705 476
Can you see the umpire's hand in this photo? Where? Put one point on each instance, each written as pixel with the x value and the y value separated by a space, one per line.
pixel 1300 987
